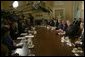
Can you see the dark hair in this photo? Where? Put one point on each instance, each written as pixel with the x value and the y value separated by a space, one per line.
pixel 73 29
pixel 4 30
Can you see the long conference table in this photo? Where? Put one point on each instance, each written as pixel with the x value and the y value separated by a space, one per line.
pixel 48 43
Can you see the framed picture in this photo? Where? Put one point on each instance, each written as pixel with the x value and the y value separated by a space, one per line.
pixel 60 13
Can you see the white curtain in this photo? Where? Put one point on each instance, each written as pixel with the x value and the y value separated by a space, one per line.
pixel 77 14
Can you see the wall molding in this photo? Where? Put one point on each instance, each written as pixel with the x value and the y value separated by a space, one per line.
pixel 57 3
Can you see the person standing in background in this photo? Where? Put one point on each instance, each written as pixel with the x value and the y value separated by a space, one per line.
pixel 31 20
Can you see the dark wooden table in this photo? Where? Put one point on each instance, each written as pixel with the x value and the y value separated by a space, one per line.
pixel 48 43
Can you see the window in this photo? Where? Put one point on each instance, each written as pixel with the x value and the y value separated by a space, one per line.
pixel 82 5
pixel 82 9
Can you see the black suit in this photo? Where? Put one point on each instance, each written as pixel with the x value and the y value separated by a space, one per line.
pixel 31 20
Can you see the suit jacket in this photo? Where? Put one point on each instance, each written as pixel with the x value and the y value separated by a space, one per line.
pixel 60 26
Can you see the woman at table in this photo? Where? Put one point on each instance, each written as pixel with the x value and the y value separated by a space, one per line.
pixel 6 38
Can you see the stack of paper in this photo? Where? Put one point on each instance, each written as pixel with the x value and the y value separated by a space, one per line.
pixel 23 33
pixel 29 36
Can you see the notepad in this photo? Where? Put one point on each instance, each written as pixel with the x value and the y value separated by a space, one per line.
pixel 19 44
pixel 20 37
pixel 76 54
pixel 29 36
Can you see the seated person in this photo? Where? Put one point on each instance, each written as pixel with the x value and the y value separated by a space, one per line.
pixel 14 30
pixel 57 24
pixel 51 23
pixel 6 39
pixel 81 38
pixel 82 34
pixel 73 30
pixel 68 25
pixel 62 27
pixel 79 43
